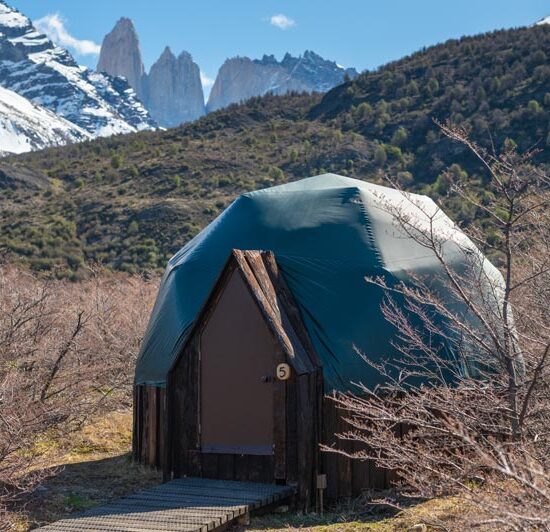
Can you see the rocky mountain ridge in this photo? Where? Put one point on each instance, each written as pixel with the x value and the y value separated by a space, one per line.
pixel 172 90
pixel 47 75
pixel 241 78
pixel 121 55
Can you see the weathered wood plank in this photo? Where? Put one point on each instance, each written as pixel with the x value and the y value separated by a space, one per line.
pixel 135 437
pixel 182 511
pixel 146 427
pixel 292 465
pixel 279 420
pixel 161 427
pixel 142 523
pixel 290 306
pixel 360 472
pixel 304 433
pixel 186 514
pixel 152 423
pixel 209 465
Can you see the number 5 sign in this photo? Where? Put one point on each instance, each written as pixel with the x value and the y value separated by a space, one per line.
pixel 283 372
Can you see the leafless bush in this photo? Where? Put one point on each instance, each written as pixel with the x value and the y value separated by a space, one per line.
pixel 476 421
pixel 66 350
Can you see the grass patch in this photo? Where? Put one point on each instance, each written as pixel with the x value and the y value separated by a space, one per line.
pixel 93 466
pixel 89 468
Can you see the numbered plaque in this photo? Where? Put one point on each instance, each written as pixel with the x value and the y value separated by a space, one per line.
pixel 283 372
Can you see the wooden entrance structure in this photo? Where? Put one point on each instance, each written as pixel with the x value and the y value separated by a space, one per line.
pixel 244 399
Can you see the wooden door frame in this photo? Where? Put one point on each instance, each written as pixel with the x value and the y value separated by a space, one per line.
pixel 297 404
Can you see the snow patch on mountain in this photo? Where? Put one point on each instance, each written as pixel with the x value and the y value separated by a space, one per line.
pixel 10 18
pixel 25 126
pixel 241 78
pixel 32 66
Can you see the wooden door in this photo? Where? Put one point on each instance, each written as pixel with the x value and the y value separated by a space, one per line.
pixel 237 367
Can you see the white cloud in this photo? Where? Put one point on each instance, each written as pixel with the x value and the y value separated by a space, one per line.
pixel 282 21
pixel 206 81
pixel 54 27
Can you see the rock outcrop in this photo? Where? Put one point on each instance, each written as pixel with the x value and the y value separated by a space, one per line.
pixel 121 55
pixel 241 78
pixel 173 90
pixel 47 75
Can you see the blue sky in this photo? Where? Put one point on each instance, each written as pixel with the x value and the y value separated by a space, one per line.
pixel 360 33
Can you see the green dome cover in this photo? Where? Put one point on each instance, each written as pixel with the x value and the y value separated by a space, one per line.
pixel 328 233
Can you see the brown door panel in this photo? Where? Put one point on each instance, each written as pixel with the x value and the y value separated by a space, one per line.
pixel 237 370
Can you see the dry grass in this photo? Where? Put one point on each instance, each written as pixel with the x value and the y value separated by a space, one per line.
pixel 93 466
pixel 429 515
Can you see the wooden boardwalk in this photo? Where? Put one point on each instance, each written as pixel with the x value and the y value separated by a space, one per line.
pixel 185 504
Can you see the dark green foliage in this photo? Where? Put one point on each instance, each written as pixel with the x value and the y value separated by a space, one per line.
pixel 380 156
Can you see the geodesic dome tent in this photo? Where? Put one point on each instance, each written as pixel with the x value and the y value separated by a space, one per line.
pixel 263 312
pixel 327 233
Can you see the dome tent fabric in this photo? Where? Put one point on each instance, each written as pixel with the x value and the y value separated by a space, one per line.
pixel 328 233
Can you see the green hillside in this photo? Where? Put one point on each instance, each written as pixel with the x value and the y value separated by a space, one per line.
pixel 131 201
pixel 497 85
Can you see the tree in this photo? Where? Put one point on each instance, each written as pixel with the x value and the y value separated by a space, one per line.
pixel 412 88
pixel 534 107
pixel 276 174
pixel 433 86
pixel 400 136
pixel 380 156
pixel 116 161
pixel 482 434
pixel 67 351
pixel 363 111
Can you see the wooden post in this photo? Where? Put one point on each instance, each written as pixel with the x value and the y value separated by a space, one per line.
pixel 321 486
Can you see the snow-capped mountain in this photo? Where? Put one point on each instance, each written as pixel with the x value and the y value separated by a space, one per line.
pixel 545 20
pixel 314 71
pixel 241 78
pixel 33 67
pixel 26 126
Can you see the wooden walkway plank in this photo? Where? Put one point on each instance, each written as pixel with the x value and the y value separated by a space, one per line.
pixel 233 484
pixel 171 512
pixel 167 510
pixel 146 517
pixel 127 525
pixel 184 513
pixel 206 495
pixel 82 525
pixel 181 505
